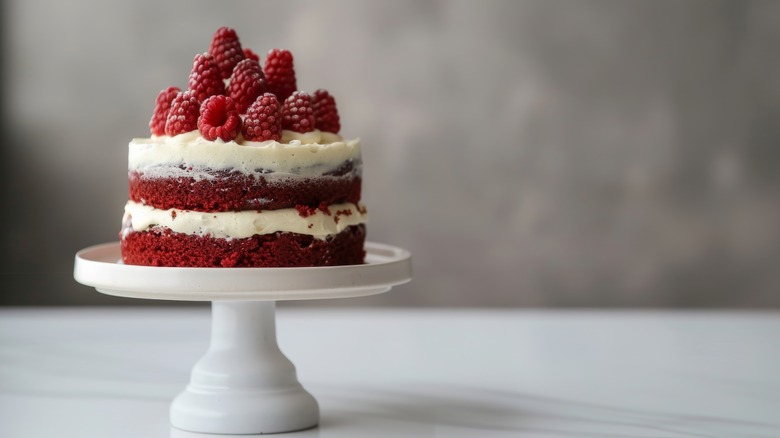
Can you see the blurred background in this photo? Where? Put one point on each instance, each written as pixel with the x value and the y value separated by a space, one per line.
pixel 547 153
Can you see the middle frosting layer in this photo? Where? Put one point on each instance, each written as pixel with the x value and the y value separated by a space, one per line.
pixel 188 172
pixel 319 223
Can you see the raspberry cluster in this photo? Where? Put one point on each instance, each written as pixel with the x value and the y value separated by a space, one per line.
pixel 229 93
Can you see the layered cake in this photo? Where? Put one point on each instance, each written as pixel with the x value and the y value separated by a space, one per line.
pixel 243 169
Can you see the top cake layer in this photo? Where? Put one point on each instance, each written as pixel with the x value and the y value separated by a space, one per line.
pixel 188 172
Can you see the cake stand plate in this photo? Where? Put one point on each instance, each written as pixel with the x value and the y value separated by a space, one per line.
pixel 243 384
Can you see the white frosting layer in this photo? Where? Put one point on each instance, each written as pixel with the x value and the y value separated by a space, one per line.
pixel 302 155
pixel 236 225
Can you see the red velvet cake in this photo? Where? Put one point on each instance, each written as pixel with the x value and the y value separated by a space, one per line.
pixel 243 170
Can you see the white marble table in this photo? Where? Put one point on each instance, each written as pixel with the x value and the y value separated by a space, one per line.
pixel 411 373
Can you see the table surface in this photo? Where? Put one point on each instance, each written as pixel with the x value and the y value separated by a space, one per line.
pixel 112 372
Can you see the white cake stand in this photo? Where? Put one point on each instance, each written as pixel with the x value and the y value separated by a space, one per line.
pixel 243 384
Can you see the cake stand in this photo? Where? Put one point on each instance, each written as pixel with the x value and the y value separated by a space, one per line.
pixel 243 384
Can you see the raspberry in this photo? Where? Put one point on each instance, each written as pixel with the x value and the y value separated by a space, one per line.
pixel 279 73
pixel 326 116
pixel 248 53
pixel 183 115
pixel 161 108
pixel 226 50
pixel 205 80
pixel 219 119
pixel 297 114
pixel 263 119
pixel 246 84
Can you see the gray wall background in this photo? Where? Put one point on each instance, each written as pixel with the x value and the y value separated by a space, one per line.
pixel 529 153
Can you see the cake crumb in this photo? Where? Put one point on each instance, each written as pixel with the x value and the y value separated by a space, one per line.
pixel 323 207
pixel 305 211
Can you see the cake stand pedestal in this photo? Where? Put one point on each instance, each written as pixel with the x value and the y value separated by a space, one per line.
pixel 243 384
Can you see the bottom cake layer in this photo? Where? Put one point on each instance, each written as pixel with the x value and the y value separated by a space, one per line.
pixel 163 247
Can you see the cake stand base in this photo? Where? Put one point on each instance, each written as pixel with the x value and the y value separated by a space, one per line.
pixel 244 384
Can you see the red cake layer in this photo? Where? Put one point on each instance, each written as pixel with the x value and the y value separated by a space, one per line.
pixel 163 247
pixel 235 192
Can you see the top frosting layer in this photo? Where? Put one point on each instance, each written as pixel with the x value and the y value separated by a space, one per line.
pixel 309 154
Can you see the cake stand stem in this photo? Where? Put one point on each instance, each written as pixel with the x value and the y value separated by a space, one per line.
pixel 244 384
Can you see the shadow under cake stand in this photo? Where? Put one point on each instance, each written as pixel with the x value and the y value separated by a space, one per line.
pixel 243 384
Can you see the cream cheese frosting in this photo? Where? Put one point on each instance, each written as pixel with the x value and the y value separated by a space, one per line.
pixel 308 154
pixel 242 224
